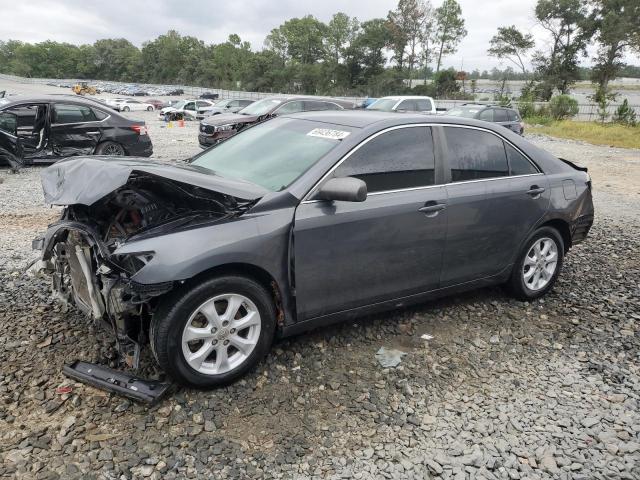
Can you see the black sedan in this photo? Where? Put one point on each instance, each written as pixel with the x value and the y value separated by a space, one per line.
pixel 302 221
pixel 43 129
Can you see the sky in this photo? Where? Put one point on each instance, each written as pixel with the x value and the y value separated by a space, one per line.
pixel 85 21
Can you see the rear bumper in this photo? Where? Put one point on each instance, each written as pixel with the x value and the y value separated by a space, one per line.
pixel 142 148
pixel 580 228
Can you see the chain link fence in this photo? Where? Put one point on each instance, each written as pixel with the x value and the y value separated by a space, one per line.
pixel 586 112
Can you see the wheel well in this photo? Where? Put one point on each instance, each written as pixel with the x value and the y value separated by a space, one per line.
pixel 563 228
pixel 253 272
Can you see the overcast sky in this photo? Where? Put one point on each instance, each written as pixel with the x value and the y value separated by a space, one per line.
pixel 82 21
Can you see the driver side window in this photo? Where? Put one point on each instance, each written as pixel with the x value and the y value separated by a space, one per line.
pixel 290 107
pixel 395 160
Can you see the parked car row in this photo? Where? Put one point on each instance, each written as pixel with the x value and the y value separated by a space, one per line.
pixel 215 128
pixel 132 90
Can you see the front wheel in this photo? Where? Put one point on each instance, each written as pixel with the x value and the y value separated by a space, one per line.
pixel 150 108
pixel 212 334
pixel 126 109
pixel 538 265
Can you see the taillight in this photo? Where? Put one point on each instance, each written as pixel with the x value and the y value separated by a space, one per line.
pixel 139 129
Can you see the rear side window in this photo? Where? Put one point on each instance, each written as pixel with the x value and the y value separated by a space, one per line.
pixel 394 160
pixel 63 113
pixel 513 116
pixel 244 103
pixel 474 154
pixel 500 115
pixel 100 115
pixel 518 163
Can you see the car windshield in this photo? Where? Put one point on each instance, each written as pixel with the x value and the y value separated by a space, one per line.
pixel 179 104
pixel 273 154
pixel 468 112
pixel 260 107
pixel 222 103
pixel 383 105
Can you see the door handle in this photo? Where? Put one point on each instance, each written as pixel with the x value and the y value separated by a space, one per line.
pixel 535 191
pixel 432 209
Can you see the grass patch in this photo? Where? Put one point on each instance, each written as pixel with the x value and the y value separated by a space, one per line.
pixel 592 132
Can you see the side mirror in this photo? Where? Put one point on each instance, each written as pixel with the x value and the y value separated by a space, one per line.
pixel 346 189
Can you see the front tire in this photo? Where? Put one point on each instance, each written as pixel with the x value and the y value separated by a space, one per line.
pixel 126 109
pixel 213 333
pixel 150 109
pixel 538 265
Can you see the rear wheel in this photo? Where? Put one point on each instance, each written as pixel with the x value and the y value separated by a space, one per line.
pixel 538 265
pixel 150 108
pixel 214 333
pixel 126 109
pixel 110 148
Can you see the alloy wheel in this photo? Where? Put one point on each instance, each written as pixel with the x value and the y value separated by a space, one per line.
pixel 540 264
pixel 221 334
pixel 113 149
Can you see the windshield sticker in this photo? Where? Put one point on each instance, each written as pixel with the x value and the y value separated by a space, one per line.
pixel 328 133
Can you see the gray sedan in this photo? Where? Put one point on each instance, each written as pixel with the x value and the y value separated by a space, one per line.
pixel 301 221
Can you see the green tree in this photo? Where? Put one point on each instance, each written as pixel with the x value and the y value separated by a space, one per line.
pixel 511 44
pixel 449 29
pixel 615 22
pixel 116 59
pixel 406 24
pixel 566 22
pixel 340 34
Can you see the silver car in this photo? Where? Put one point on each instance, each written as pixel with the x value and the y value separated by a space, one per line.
pixel 301 221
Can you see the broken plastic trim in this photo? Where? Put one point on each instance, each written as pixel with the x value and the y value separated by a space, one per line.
pixel 121 383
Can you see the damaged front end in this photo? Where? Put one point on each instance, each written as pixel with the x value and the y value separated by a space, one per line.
pixel 80 251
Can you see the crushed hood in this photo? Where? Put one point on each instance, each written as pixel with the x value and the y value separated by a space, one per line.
pixel 85 180
pixel 229 118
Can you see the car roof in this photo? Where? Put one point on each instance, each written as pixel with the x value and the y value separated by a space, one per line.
pixel 53 98
pixel 406 97
pixel 366 118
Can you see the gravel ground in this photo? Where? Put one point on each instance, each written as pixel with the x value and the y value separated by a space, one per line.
pixel 503 389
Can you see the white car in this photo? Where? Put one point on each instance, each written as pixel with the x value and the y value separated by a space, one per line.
pixel 187 109
pixel 133 106
pixel 404 104
pixel 114 102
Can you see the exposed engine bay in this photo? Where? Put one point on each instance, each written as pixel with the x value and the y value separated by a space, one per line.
pixel 78 251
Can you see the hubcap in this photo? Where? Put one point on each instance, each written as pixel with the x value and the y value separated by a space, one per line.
pixel 540 264
pixel 221 334
pixel 113 150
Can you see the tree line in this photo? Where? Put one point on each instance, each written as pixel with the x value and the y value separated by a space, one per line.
pixel 347 57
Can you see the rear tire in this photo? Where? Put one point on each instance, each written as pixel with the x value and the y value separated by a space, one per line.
pixel 538 265
pixel 126 109
pixel 150 109
pixel 213 333
pixel 110 148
